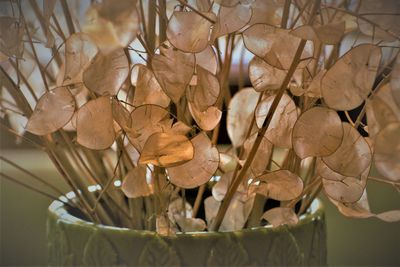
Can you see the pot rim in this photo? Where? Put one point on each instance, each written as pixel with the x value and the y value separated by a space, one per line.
pixel 58 210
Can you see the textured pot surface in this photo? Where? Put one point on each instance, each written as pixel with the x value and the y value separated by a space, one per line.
pixel 72 241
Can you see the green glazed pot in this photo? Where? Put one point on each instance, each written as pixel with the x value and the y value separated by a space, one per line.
pixel 72 241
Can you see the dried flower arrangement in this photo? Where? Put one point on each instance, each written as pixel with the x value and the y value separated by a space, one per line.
pixel 130 103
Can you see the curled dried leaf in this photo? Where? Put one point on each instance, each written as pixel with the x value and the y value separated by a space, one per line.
pixel 280 128
pixel 387 152
pixel 208 119
pixel 134 183
pixel 166 150
pixel 147 120
pixel 201 168
pixel 279 216
pixel 112 24
pixel 240 113
pixel 317 132
pixel 349 81
pixel 264 76
pixel 165 67
pixel 231 19
pixel 274 45
pixel 188 31
pixel 148 90
pixel 94 127
pixel 281 185
pixel 53 111
pixel 79 51
pixel 107 73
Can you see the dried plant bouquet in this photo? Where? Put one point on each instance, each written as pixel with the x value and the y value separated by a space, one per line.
pixel 130 99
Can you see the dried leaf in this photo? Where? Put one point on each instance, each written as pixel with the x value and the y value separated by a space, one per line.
pixel 281 185
pixel 314 89
pixel 395 81
pixel 164 226
pixel 166 150
pixel 267 12
pixel 279 216
pixel 347 190
pixel 227 3
pixel 353 156
pixel 95 128
pixel 274 45
pixel 11 34
pixel 106 73
pixel 349 81
pixel 165 67
pixel 180 128
pixel 79 51
pixel 265 77
pixel 235 216
pixel 317 132
pixel 147 120
pixel 231 19
pixel 48 9
pixel 188 31
pixel 200 169
pixel 240 113
pixel 387 152
pixel 206 92
pixel 330 33
pixel 190 224
pixel 389 216
pixel 134 183
pixel 381 110
pixel 208 119
pixel 262 157
pixel 220 189
pixel 121 115
pixel 53 111
pixel 112 24
pixel 207 59
pixel 280 128
pixel 148 90
pixel 380 13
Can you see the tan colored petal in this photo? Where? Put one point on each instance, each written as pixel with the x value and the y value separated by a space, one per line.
pixel 231 19
pixel 95 124
pixel 107 73
pixel 317 132
pixel 274 45
pixel 240 113
pixel 134 183
pixel 53 111
pixel 173 70
pixel 280 128
pixel 79 51
pixel 349 81
pixel 166 150
pixel 387 152
pixel 147 120
pixel 207 59
pixel 188 31
pixel 279 216
pixel 265 77
pixel 353 155
pixel 206 92
pixel 281 185
pixel 200 169
pixel 262 157
pixel 112 24
pixel 208 119
pixel 148 90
